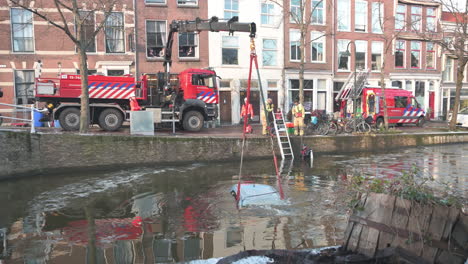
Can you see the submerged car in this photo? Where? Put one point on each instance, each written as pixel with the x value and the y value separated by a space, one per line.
pixel 256 194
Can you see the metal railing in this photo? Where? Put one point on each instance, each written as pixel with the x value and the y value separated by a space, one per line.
pixel 30 109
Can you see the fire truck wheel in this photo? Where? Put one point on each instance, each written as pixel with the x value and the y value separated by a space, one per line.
pixel 110 119
pixel 70 119
pixel 420 122
pixel 193 121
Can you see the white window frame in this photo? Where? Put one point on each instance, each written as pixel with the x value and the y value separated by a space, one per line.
pixel 359 44
pixel 404 17
pixel 146 39
pixel 358 14
pixel 433 16
pixel 451 79
pixel 434 58
pixel 318 37
pixel 237 48
pixel 345 10
pixel 191 3
pixel 404 54
pixel 197 47
pixel 95 37
pixel 344 45
pixel 291 7
pixel 275 50
pixel 378 17
pixel 291 32
pixel 411 54
pixel 270 16
pixel 148 3
pixel 233 12
pixel 123 36
pixel 323 9
pixel 416 14
pixel 12 32
pixel 381 54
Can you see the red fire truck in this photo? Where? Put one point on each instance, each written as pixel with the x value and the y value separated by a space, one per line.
pixel 189 98
pixel 402 106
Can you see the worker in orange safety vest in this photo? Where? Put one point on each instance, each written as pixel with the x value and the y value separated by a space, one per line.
pixel 298 112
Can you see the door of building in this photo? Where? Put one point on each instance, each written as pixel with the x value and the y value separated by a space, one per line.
pixel 255 101
pixel 225 106
pixel 431 104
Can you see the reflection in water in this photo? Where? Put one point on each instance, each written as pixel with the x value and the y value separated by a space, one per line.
pixel 177 214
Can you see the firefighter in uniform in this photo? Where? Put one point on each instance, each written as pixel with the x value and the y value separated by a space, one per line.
pixel 298 114
pixel 247 112
pixel 266 121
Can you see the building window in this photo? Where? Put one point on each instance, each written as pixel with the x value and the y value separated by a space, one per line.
pixel 415 54
pixel 400 18
pixel 447 75
pixel 430 55
pixel 400 54
pixel 269 52
pixel 377 53
pixel 416 18
pixel 318 47
pixel 321 94
pixel 88 28
pixel 115 72
pixel 295 10
pixel 267 14
pixel 155 1
pixel 377 17
pixel 155 38
pixel 430 19
pixel 187 2
pixel 318 12
pixel 188 45
pixel 344 18
pixel 24 87
pixel 308 93
pixel 360 16
pixel 343 58
pixel 230 50
pixel 22 30
pixel 361 55
pixel 231 8
pixel 295 45
pixel 115 33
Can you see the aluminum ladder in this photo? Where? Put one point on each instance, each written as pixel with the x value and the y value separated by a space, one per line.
pixel 282 135
pixel 348 91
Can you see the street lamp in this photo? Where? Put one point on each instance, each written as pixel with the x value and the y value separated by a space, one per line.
pixel 348 54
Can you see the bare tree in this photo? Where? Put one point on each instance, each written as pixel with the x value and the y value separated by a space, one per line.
pixel 77 13
pixel 303 17
pixel 454 41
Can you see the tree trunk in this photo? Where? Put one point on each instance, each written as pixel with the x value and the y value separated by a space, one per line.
pixel 91 232
pixel 84 117
pixel 384 97
pixel 458 87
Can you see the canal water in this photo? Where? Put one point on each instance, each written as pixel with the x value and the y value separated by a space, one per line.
pixel 186 212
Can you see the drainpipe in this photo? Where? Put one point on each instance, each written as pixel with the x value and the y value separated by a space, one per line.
pixel 135 31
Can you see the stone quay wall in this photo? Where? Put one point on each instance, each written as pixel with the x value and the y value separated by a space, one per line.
pixel 25 154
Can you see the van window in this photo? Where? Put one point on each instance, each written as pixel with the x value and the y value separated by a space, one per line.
pixel 204 80
pixel 401 101
pixel 415 103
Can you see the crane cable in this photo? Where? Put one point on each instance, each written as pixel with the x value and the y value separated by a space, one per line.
pixel 253 59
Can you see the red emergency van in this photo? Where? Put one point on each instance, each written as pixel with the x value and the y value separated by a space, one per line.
pixel 402 106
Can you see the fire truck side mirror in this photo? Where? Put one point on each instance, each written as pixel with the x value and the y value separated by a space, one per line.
pixel 1 93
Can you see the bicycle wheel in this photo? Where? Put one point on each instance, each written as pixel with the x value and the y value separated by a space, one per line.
pixel 364 127
pixel 349 126
pixel 332 129
pixel 323 129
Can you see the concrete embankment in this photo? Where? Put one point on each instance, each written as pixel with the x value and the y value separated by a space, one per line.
pixel 24 154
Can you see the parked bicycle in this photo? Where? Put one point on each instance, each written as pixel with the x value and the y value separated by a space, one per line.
pixel 357 124
pixel 317 124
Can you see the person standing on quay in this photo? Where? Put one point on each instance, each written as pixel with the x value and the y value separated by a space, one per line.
pixel 298 112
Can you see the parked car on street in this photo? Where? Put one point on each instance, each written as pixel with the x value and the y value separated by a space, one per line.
pixel 462 118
